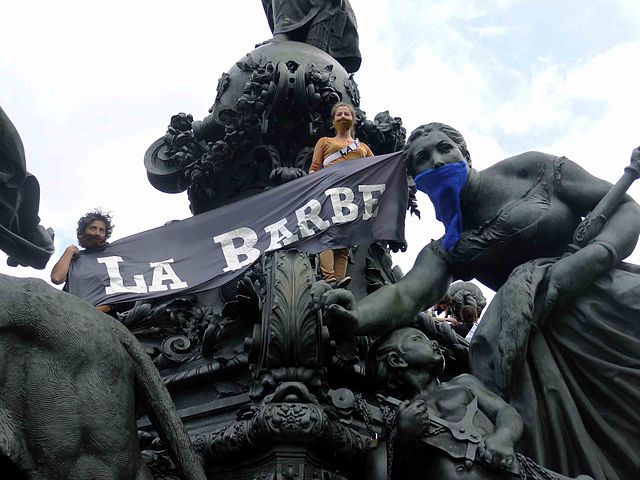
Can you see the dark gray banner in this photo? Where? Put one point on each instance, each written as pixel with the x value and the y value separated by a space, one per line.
pixel 350 203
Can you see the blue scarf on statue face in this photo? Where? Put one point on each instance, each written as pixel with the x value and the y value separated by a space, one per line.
pixel 443 185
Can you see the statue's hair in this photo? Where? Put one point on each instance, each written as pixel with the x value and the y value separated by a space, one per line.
pixel 454 135
pixel 335 108
pixel 386 377
pixel 90 217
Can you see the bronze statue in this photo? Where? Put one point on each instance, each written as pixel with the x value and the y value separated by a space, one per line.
pixel 329 25
pixel 68 378
pixel 560 341
pixel 465 430
pixel 21 236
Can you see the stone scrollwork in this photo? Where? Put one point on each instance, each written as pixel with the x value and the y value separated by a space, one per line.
pixel 272 423
pixel 178 325
pixel 384 134
pixel 290 343
pixel 269 110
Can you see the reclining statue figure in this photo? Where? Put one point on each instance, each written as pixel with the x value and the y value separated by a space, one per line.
pixel 459 428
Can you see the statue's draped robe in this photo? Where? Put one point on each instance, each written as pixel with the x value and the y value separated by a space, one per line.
pixel 21 237
pixel 574 376
pixel 329 25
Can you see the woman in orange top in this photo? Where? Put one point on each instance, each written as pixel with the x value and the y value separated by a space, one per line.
pixel 329 151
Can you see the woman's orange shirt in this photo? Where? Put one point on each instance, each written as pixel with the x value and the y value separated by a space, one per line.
pixel 328 145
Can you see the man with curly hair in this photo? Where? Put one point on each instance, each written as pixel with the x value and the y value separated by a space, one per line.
pixel 94 229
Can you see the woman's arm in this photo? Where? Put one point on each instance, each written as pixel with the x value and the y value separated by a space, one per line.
pixel 318 156
pixel 582 192
pixel 391 306
pixel 571 275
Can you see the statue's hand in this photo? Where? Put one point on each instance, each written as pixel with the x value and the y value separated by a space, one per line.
pixel 412 419
pixel 338 306
pixel 635 159
pixel 497 451
pixel 572 275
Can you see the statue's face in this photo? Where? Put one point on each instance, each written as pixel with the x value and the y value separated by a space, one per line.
pixel 433 150
pixel 419 350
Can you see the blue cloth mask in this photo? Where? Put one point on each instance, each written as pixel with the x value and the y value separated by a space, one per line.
pixel 443 185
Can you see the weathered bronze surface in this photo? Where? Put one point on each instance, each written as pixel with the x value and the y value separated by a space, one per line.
pixel 275 374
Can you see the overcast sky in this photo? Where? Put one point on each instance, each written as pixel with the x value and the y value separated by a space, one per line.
pixel 90 85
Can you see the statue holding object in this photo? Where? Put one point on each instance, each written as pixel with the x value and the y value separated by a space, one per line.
pixel 548 318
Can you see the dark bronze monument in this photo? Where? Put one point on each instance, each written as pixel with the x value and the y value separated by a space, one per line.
pixel 277 375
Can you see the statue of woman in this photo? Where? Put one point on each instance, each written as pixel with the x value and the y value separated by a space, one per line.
pixel 561 339
pixel 329 25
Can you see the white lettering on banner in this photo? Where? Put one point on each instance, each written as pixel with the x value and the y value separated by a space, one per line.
pixel 116 283
pixel 163 271
pixel 280 233
pixel 369 200
pixel 342 199
pixel 232 253
pixel 313 216
pixel 309 223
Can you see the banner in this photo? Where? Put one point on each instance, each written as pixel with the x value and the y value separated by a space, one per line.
pixel 353 202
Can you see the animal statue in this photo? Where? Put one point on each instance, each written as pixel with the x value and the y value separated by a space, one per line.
pixel 68 381
pixel 68 373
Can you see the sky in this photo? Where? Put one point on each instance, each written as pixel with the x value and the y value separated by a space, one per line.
pixel 91 85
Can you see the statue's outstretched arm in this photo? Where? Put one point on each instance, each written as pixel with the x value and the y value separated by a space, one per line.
pixel 391 306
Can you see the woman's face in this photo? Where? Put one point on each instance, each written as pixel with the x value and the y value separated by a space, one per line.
pixel 433 150
pixel 343 113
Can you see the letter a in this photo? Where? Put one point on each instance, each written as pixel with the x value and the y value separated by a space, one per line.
pixel 163 271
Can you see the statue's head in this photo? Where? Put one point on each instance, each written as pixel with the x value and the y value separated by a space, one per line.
pixel 94 229
pixel 433 145
pixel 400 354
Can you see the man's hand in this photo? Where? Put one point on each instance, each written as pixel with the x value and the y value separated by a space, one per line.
pixel 61 268
pixel 497 451
pixel 338 307
pixel 412 419
pixel 72 250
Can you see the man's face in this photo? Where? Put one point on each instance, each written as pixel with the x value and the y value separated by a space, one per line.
pixel 95 235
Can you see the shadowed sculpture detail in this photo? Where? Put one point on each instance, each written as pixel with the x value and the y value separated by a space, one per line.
pixel 21 236
pixel 560 313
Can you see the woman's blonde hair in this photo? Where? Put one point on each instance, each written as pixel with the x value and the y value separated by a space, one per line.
pixel 335 108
